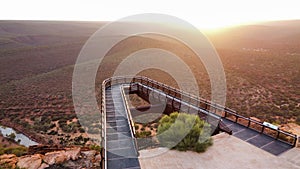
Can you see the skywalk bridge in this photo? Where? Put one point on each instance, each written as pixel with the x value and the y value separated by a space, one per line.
pixel 118 133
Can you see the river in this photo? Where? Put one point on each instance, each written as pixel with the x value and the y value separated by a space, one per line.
pixel 24 140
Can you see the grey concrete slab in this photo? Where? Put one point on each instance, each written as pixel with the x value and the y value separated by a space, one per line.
pixel 227 152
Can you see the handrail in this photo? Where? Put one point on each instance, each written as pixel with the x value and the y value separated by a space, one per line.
pixel 227 111
pixel 130 121
pixel 103 114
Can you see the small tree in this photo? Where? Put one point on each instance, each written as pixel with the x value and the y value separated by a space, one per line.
pixel 11 136
pixel 183 132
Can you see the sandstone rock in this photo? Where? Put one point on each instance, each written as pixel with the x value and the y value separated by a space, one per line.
pixel 89 154
pixel 61 158
pixel 73 153
pixel 43 166
pixel 10 162
pixel 7 156
pixel 30 162
pixel 55 157
pixel 98 158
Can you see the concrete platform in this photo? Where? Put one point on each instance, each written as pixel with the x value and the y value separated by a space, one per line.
pixel 228 152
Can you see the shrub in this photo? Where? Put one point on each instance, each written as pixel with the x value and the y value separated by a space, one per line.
pixel 136 126
pixel 18 151
pixel 52 132
pixel 298 120
pixel 143 134
pixel 95 147
pixel 11 136
pixel 183 132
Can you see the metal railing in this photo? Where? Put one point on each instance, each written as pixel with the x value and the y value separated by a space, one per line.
pixel 220 110
pixel 105 84
pixel 206 105
pixel 130 120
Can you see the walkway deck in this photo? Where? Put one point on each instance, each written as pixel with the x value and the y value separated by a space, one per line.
pixel 257 139
pixel 121 152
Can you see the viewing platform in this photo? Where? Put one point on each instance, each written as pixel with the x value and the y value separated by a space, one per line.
pixel 118 132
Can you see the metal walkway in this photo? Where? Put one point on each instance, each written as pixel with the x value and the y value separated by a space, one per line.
pixel 121 150
pixel 118 140
pixel 263 141
pixel 254 137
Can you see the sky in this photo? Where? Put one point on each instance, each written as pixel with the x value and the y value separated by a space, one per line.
pixel 205 14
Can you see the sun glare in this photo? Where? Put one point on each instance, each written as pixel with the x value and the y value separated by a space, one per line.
pixel 208 15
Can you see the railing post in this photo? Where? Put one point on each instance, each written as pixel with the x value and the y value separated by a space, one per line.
pixel 277 136
pixel 295 141
pixel 173 103
pixel 263 128
pixel 249 121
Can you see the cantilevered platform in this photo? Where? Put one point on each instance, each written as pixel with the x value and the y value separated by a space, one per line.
pixel 120 150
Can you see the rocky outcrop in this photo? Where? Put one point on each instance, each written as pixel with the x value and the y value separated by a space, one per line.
pixel 55 157
pixel 8 160
pixel 43 166
pixel 89 154
pixel 73 157
pixel 72 153
pixel 30 161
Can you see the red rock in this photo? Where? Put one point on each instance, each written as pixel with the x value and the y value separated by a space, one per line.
pixel 43 166
pixel 73 153
pixel 55 157
pixel 30 162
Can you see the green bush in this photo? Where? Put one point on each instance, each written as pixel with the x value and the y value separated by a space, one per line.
pixel 18 151
pixel 143 134
pixel 95 147
pixel 183 132
pixel 136 126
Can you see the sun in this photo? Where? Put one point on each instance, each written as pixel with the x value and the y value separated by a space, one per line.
pixel 208 14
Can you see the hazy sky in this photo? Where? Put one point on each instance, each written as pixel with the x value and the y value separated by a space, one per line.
pixel 201 13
